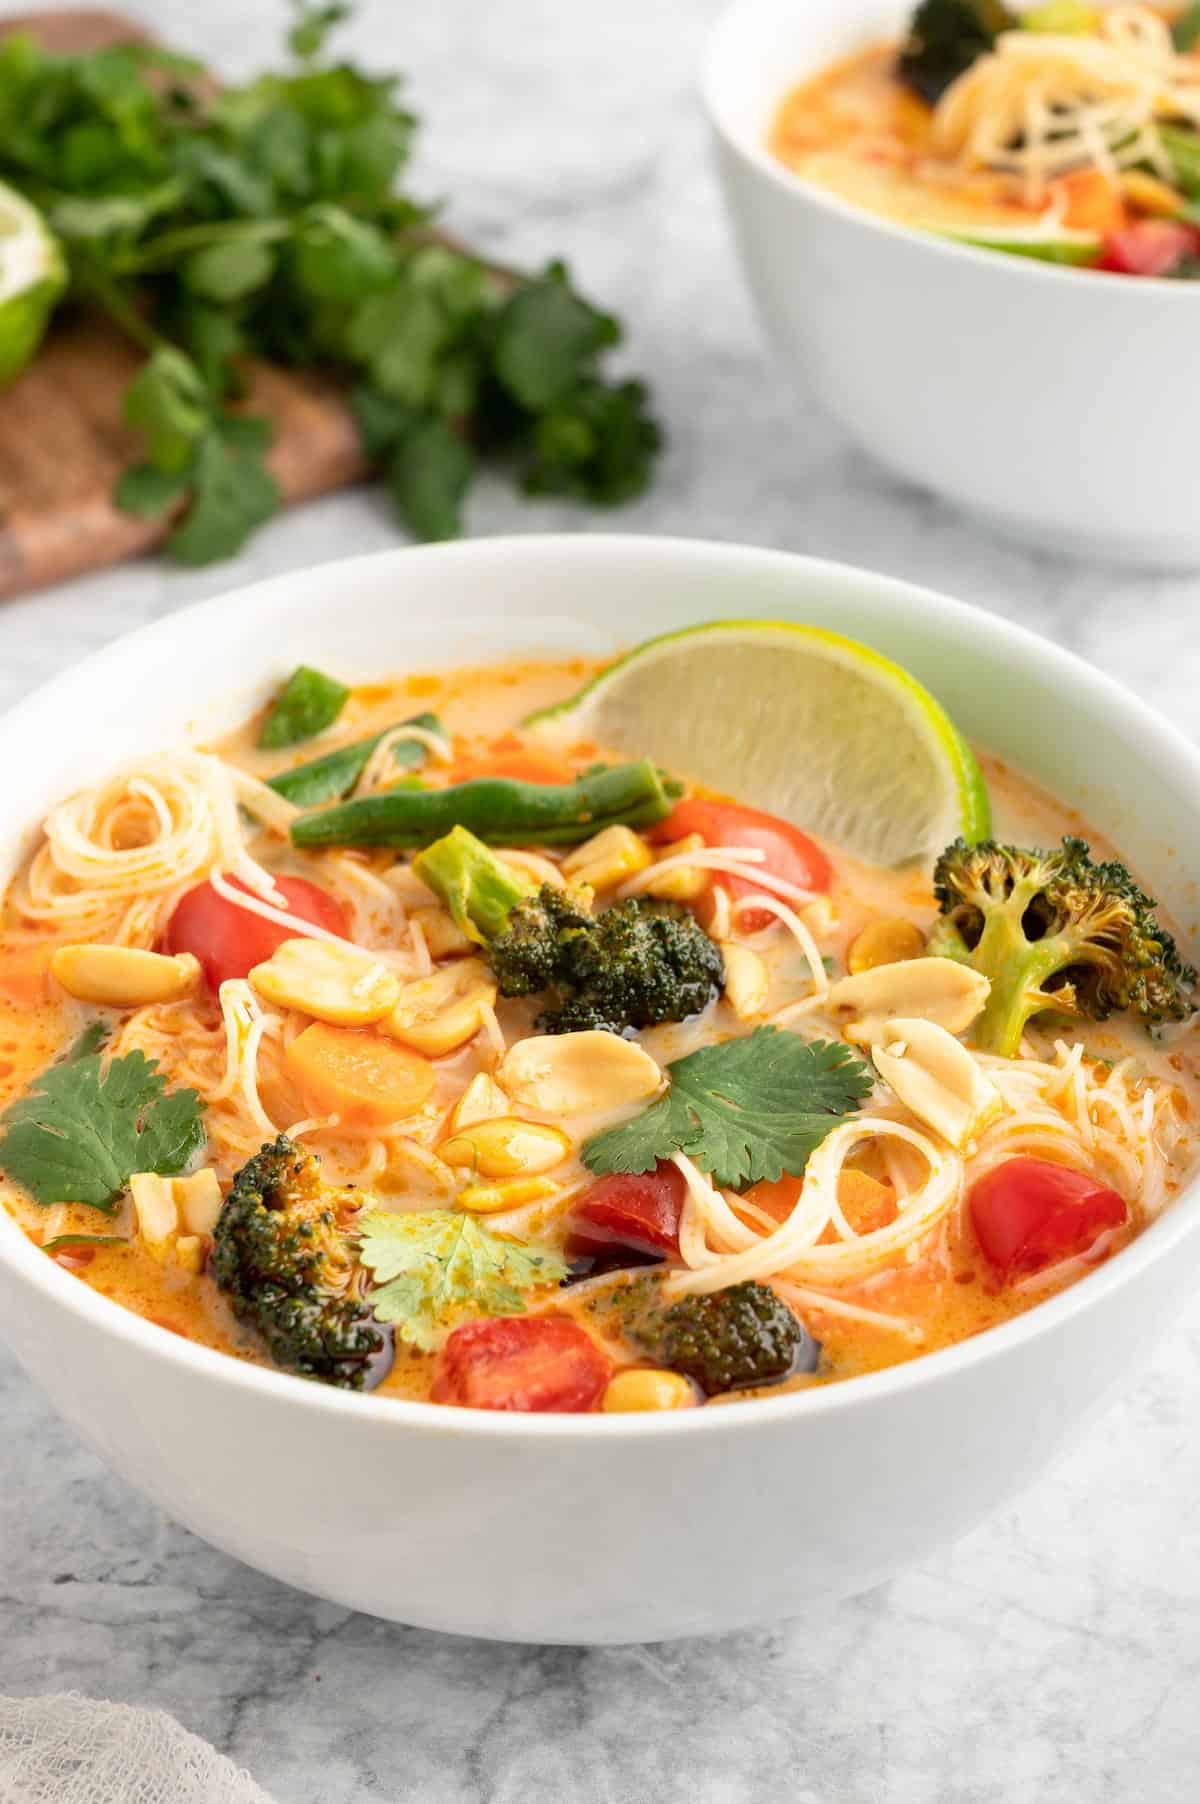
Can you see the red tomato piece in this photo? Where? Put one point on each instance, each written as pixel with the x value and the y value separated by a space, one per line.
pixel 633 1209
pixel 522 1362
pixel 1150 247
pixel 229 941
pixel 1030 1213
pixel 790 854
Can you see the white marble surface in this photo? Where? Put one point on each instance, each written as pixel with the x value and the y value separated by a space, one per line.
pixel 1054 1656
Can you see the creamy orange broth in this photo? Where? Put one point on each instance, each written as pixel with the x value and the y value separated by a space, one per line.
pixel 948 1290
pixel 857 131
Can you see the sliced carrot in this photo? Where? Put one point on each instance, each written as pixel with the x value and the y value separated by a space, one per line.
pixel 519 766
pixel 364 1077
pixel 866 1204
pixel 1090 202
pixel 776 1199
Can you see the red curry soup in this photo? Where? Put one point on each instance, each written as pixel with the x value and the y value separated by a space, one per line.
pixel 390 1043
pixel 1064 131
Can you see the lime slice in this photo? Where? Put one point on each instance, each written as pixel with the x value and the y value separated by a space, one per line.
pixel 33 274
pixel 795 720
pixel 1056 244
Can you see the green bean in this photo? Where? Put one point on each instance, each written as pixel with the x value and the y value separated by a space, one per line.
pixel 309 702
pixel 330 778
pixel 496 809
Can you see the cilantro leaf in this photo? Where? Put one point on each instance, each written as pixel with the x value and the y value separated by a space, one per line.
pixel 143 489
pixel 168 401
pixel 429 473
pixel 232 493
pixel 307 36
pixel 228 270
pixel 94 1038
pixel 84 1240
pixel 309 702
pixel 744 1110
pixel 434 1267
pixel 546 337
pixel 85 1127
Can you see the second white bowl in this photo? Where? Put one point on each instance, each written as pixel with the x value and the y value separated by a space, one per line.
pixel 1059 404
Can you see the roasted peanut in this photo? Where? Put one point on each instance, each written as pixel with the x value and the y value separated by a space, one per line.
pixel 506 1148
pixel 746 980
pixel 936 1077
pixel 340 984
pixel 936 989
pixel 434 1015
pixel 886 942
pixel 573 1074
pixel 124 976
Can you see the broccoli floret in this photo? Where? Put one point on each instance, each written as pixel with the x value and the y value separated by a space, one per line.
pixel 633 965
pixel 527 956
pixel 1054 930
pixel 945 38
pixel 731 1340
pixel 638 964
pixel 286 1266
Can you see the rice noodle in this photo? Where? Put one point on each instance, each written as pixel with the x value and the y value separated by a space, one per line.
pixel 1043 103
pixel 734 861
pixel 379 772
pixel 795 926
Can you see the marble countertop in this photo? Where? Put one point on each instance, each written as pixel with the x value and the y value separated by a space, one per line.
pixel 1053 1655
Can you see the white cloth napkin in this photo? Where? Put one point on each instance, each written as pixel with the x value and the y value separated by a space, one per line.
pixel 67 1749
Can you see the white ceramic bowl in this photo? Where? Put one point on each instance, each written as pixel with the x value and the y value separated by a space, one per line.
pixel 1058 404
pixel 596 1529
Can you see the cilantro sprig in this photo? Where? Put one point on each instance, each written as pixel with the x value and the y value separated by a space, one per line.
pixel 87 1125
pixel 267 221
pixel 744 1110
pixel 435 1267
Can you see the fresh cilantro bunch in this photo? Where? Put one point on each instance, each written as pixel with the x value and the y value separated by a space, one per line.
pixel 266 220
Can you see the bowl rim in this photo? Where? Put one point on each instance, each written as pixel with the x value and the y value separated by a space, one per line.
pixel 60 1288
pixel 736 19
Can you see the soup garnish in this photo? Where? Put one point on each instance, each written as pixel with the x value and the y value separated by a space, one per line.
pixel 1064 131
pixel 461 1059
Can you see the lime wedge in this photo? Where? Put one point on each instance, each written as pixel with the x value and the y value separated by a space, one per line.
pixel 1056 244
pixel 33 274
pixel 795 720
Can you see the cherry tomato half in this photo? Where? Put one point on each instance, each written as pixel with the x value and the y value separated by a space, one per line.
pixel 1030 1213
pixel 522 1362
pixel 1150 247
pixel 634 1209
pixel 229 941
pixel 790 854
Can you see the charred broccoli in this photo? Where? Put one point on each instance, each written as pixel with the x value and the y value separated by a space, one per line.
pixel 633 965
pixel 1054 930
pixel 730 1340
pixel 945 38
pixel 286 1267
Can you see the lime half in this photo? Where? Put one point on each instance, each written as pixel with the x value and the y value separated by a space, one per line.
pixel 795 720
pixel 33 274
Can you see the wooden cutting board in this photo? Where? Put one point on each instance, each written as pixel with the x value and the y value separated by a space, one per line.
pixel 62 439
